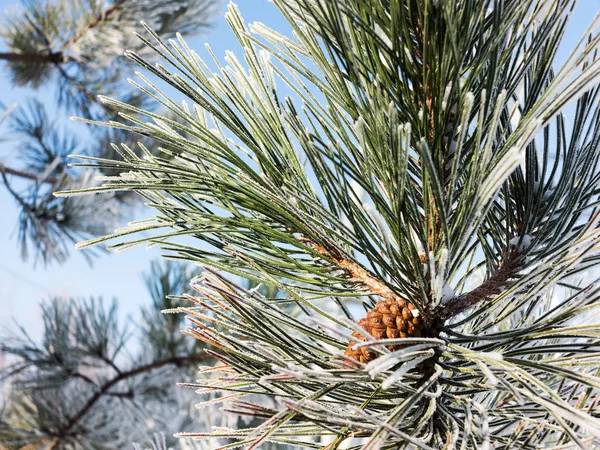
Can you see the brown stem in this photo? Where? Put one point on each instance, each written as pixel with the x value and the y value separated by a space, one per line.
pixel 26 175
pixel 488 288
pixel 103 15
pixel 59 57
pixel 356 273
pixel 51 58
pixel 177 360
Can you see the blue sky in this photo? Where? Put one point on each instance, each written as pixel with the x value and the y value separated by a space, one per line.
pixel 118 275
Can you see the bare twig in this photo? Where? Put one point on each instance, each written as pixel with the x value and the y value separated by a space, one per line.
pixel 105 388
pixel 487 289
pixel 27 175
pixel 51 58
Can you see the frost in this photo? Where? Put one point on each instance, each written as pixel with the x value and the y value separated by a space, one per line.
pixel 447 294
pixel 522 243
pixel 494 356
pixel 198 280
pixel 446 96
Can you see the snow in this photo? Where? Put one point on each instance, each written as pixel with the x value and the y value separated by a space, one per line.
pixel 522 243
pixel 447 294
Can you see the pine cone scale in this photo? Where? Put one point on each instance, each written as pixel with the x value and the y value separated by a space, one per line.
pixel 389 319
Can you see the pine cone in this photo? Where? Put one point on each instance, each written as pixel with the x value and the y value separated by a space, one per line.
pixel 391 319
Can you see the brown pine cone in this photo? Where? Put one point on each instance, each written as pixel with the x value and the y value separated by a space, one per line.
pixel 391 319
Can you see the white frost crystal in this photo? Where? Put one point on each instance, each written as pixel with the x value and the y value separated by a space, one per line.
pixel 525 242
pixel 447 294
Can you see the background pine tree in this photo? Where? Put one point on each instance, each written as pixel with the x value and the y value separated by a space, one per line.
pixel 421 157
pixel 96 382
pixel 88 383
pixel 76 48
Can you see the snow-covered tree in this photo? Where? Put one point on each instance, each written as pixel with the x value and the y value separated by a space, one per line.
pixel 96 381
pixel 411 157
pixel 74 47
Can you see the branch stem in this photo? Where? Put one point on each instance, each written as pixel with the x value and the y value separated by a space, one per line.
pixel 102 16
pixel 488 288
pixel 27 175
pixel 50 58
pixel 104 389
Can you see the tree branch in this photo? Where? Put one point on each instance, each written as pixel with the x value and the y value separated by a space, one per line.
pixel 59 56
pixel 103 15
pixel 27 175
pixel 50 58
pixel 356 273
pixel 103 390
pixel 489 287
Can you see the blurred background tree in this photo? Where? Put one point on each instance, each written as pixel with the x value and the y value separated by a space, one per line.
pixel 88 384
pixel 77 47
pixel 95 382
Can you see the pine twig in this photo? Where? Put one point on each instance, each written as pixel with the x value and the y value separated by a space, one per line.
pixel 355 272
pixel 52 58
pixel 27 175
pixel 489 287
pixel 118 378
pixel 102 16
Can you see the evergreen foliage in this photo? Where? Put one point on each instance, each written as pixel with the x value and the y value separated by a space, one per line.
pixel 81 42
pixel 77 47
pixel 422 154
pixel 88 384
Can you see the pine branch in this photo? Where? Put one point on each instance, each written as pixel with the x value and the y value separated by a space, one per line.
pixel 26 175
pixel 104 389
pixel 83 43
pixel 53 58
pixel 59 57
pixel 102 16
pixel 490 287
pixel 354 272
pixel 79 87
